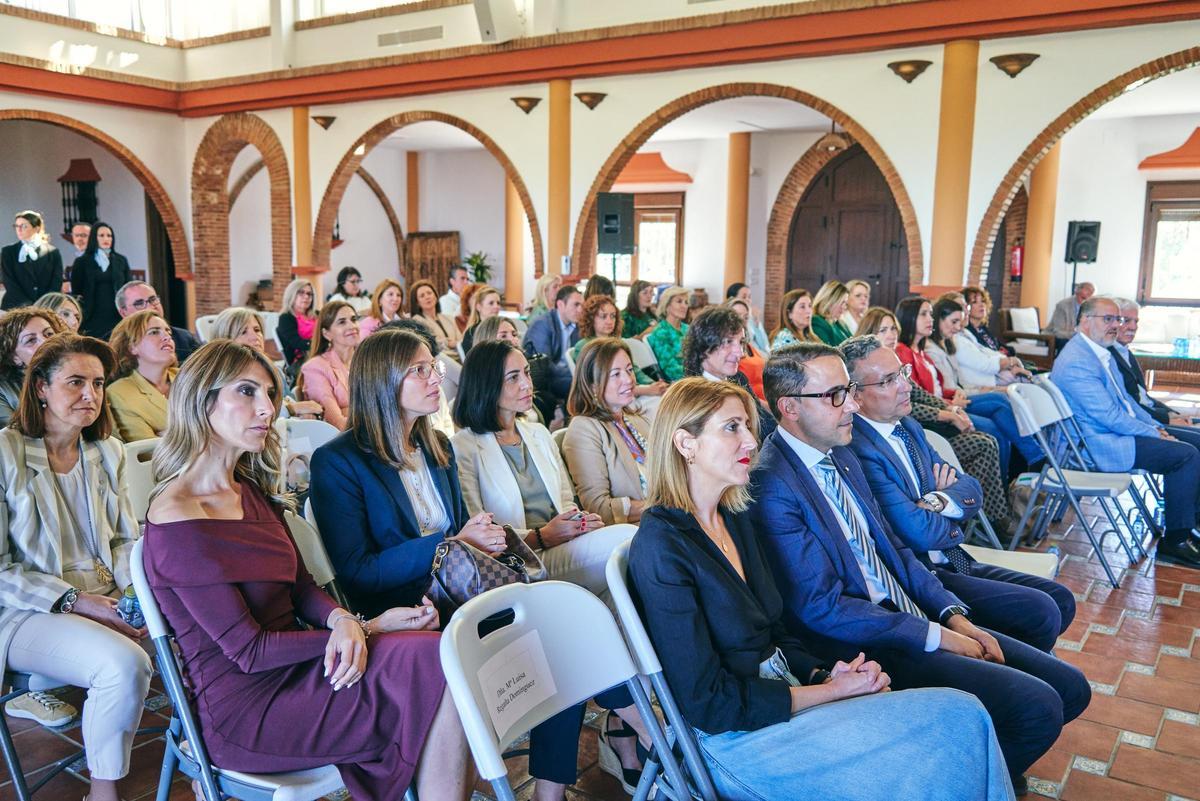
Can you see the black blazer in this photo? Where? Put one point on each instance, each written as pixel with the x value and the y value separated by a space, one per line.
pixel 1134 378
pixel 25 282
pixel 295 347
pixel 97 290
pixel 711 629
pixel 369 527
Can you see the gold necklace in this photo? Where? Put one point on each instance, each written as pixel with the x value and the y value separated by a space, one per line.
pixel 722 541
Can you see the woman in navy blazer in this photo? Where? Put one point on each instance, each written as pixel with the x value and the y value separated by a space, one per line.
pixel 770 721
pixel 385 492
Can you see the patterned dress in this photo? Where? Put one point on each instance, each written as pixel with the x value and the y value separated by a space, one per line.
pixel 667 343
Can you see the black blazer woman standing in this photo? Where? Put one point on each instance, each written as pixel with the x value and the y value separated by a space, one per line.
pixel 95 278
pixel 31 266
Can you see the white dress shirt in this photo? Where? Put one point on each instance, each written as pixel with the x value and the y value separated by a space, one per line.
pixel 450 304
pixel 1106 363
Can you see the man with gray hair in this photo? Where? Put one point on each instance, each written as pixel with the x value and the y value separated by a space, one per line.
pixel 928 504
pixel 1066 313
pixel 137 296
pixel 1131 371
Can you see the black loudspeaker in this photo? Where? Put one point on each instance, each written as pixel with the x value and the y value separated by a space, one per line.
pixel 1083 240
pixel 614 223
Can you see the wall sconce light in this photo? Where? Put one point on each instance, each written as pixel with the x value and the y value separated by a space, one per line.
pixel 324 122
pixel 526 104
pixel 591 99
pixel 909 70
pixel 1014 64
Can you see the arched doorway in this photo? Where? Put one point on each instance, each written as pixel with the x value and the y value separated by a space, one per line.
pixel 847 225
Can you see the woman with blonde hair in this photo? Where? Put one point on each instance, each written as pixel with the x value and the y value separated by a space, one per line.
pixel 666 340
pixel 246 326
pixel 22 332
pixel 829 305
pixel 387 304
pixel 146 370
pixel 297 320
pixel 497 327
pixel 65 306
pixel 425 306
pixel 544 292
pixel 484 302
pixel 857 303
pixel 267 651
pixel 795 319
pixel 713 612
pixel 325 376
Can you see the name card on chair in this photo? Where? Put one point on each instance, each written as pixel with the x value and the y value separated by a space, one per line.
pixel 515 680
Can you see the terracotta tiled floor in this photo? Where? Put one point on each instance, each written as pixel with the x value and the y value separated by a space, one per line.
pixel 1139 739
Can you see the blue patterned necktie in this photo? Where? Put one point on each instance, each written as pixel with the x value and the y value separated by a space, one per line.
pixel 959 559
pixel 839 494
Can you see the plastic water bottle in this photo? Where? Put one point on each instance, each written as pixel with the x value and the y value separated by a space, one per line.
pixel 130 609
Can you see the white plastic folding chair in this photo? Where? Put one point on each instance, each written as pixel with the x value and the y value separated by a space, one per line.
pixel 559 436
pixel 561 648
pixel 305 436
pixel 946 451
pixel 270 324
pixel 139 475
pixel 646 658
pixel 643 356
pixel 185 750
pixel 1037 414
pixel 312 551
pixel 204 326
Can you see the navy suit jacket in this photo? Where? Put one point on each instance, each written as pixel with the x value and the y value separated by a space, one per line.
pixel 826 600
pixel 921 529
pixel 545 337
pixel 369 527
pixel 1135 380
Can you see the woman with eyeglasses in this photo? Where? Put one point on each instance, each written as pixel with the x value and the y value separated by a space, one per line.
pixel 350 290
pixel 714 348
pixel 600 318
pixel 31 266
pixel 66 307
pixel 146 370
pixel 297 321
pixel 325 376
pixel 95 278
pixel 22 332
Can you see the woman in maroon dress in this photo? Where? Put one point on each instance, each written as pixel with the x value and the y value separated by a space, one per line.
pixel 271 695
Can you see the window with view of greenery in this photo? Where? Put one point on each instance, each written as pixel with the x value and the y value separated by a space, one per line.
pixel 1170 270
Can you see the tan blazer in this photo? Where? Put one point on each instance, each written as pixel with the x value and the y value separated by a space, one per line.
pixel 604 471
pixel 32 514
pixel 139 408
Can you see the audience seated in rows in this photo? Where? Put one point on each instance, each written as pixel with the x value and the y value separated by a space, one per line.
pixel 95 278
pixel 979 311
pixel 245 326
pixel 927 504
pixel 850 586
pixel 666 339
pixel 425 306
pixel 68 533
pixel 297 321
pixel 829 304
pixel 325 375
pixel 713 350
pixel 22 332
pixel 349 289
pixel 795 319
pixel 31 266
pixel 387 304
pixel 553 334
pixel 146 370
pixel 600 318
pixel 66 307
pixel 756 335
pixel 233 587
pixel 742 680
pixel 484 302
pixel 1121 435
pixel 961 362
pixel 639 317
pixel 137 296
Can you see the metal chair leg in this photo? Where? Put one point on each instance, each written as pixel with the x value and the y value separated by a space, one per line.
pixel 20 788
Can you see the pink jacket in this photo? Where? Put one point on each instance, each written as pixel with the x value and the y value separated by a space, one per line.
pixel 327 381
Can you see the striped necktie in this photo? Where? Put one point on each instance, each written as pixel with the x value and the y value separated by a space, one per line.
pixel 864 547
pixel 959 559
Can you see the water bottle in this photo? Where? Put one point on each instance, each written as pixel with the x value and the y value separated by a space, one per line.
pixel 130 610
pixel 1053 549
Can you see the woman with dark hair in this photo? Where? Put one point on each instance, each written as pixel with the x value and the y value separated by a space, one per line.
pixel 600 318
pixel 963 363
pixel 280 672
pixel 599 285
pixel 146 370
pixel 714 348
pixel 425 306
pixel 95 278
pixel 325 377
pixel 66 307
pixel 22 332
pixel 638 316
pixel 758 338
pixel 795 319
pixel 68 532
pixel 754 360
pixel 31 266
pixel 349 290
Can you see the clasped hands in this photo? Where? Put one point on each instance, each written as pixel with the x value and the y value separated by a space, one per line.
pixel 346 651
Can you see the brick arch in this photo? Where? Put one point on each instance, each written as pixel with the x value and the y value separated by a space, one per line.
pixel 1076 113
pixel 176 233
pixel 348 166
pixel 221 144
pixel 779 224
pixel 582 250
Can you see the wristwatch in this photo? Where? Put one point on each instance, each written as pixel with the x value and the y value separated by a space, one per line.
pixel 935 501
pixel 951 611
pixel 66 604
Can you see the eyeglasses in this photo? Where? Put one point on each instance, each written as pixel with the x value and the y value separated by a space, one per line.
pixel 353 281
pixel 904 372
pixel 1109 319
pixel 425 370
pixel 837 395
pixel 145 303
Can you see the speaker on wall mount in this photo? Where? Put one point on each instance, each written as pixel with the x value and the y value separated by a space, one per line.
pixel 614 223
pixel 498 21
pixel 1083 241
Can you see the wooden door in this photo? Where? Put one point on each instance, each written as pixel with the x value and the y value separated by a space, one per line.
pixel 430 255
pixel 848 226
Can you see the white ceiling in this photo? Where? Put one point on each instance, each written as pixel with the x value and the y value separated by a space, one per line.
pixel 431 136
pixel 718 120
pixel 1177 93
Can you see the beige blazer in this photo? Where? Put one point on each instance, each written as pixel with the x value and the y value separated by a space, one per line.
pixel 139 408
pixel 32 513
pixel 604 471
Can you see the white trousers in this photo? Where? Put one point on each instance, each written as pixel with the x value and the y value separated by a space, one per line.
pixel 581 560
pixel 114 670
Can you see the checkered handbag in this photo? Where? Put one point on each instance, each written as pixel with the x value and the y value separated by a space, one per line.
pixel 461 571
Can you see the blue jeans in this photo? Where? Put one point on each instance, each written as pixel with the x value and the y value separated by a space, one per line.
pixel 996 408
pixel 932 744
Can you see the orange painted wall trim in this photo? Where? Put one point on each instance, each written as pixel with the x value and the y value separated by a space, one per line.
pixel 649 168
pixel 412 190
pixel 1186 155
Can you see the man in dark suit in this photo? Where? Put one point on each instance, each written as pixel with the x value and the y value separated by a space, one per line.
pixel 849 585
pixel 927 504
pixel 553 334
pixel 137 296
pixel 30 267
pixel 1131 372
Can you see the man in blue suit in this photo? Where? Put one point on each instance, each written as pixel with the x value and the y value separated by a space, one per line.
pixel 1120 433
pixel 927 504
pixel 849 585
pixel 553 334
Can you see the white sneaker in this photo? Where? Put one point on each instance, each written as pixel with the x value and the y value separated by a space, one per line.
pixel 44 708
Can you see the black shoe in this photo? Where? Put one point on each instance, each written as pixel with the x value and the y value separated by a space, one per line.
pixel 1020 786
pixel 1185 552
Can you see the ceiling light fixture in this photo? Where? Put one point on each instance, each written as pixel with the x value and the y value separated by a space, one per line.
pixel 833 141
pixel 1013 64
pixel 324 121
pixel 591 99
pixel 526 104
pixel 909 70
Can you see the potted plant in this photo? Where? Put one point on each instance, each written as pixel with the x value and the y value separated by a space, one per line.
pixel 477 263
